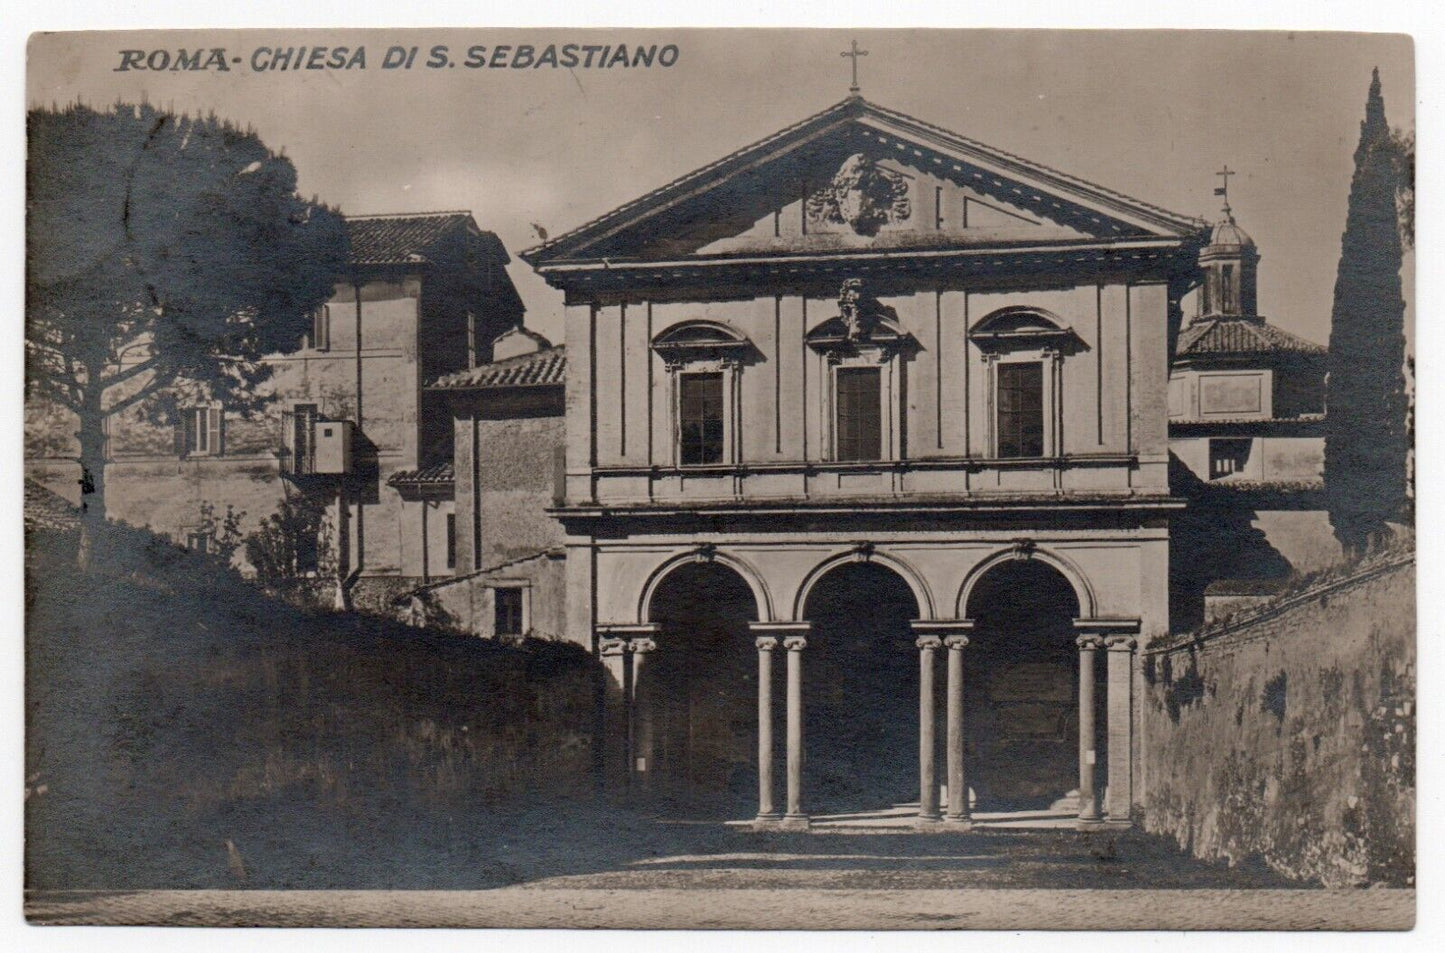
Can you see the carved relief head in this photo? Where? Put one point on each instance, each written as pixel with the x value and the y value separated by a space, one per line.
pixel 863 195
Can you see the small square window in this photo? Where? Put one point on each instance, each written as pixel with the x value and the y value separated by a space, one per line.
pixel 508 610
pixel 201 542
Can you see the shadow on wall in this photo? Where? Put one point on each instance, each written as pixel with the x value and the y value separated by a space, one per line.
pixel 1212 539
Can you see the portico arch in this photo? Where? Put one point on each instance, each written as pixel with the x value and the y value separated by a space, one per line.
pixel 866 553
pixel 762 598
pixel 692 719
pixel 1026 549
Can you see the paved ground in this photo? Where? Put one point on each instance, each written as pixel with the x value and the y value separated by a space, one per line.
pixel 556 906
pixel 855 872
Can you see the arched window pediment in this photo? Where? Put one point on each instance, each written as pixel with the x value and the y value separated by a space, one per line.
pixel 699 340
pixel 1024 327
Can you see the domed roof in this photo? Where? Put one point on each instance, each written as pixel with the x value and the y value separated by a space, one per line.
pixel 1228 233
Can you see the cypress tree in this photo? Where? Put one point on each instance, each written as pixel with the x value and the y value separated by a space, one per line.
pixel 1366 443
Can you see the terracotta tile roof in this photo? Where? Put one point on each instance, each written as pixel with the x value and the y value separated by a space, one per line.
pixel 46 509
pixel 1241 336
pixel 434 475
pixel 538 369
pixel 401 239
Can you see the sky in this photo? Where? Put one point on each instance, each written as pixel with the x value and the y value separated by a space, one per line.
pixel 1153 114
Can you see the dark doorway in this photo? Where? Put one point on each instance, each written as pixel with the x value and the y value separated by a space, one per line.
pixel 695 734
pixel 1021 691
pixel 860 691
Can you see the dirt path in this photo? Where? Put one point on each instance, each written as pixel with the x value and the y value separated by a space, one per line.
pixel 544 905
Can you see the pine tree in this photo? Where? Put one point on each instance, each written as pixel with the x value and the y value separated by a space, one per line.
pixel 1366 443
pixel 178 241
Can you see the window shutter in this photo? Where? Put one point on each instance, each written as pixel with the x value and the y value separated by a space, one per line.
pixel 217 421
pixel 188 427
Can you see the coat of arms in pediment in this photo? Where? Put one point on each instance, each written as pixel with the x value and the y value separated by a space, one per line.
pixel 863 195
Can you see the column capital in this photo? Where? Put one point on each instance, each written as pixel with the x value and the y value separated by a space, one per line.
pixel 928 643
pixel 1121 643
pixel 766 643
pixel 611 648
pixel 642 645
pixel 795 643
pixel 956 642
pixel 1089 643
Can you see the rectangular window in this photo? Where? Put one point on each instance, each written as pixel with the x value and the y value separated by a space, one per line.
pixel 700 414
pixel 471 339
pixel 859 413
pixel 1228 456
pixel 1226 291
pixel 200 542
pixel 1021 410
pixel 451 540
pixel 321 328
pixel 509 610
pixel 202 431
pixel 303 438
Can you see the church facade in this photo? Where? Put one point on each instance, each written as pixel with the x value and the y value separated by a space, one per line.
pixel 867 487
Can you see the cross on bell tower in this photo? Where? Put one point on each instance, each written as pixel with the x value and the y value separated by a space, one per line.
pixel 1229 262
pixel 853 53
pixel 1223 189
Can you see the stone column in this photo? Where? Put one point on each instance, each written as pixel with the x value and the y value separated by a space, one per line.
pixel 1089 646
pixel 616 724
pixel 767 810
pixel 795 816
pixel 1121 729
pixel 927 743
pixel 642 728
pixel 957 780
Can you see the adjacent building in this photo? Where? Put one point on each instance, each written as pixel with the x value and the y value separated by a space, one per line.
pixel 1246 429
pixel 349 429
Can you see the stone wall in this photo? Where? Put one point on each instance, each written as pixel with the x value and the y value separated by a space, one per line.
pixel 1286 735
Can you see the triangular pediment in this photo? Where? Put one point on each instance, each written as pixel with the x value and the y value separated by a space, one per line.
pixel 858 176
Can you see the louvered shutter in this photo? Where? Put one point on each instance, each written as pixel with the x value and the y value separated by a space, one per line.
pixel 188 418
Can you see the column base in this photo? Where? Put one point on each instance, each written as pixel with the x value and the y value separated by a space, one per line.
pixel 957 825
pixel 1090 823
pixel 794 822
pixel 1112 824
pixel 767 822
pixel 928 821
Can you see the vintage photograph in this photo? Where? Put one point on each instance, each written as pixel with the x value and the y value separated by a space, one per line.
pixel 720 479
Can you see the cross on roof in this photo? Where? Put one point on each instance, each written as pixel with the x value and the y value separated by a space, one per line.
pixel 1223 190
pixel 853 54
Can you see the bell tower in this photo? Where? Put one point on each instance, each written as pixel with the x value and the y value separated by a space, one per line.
pixel 1230 263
